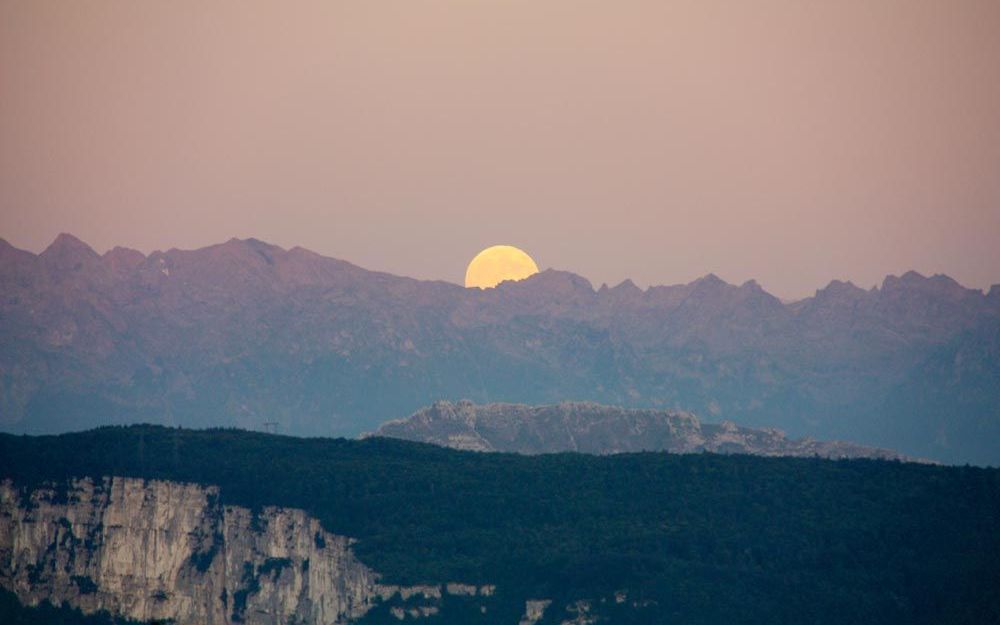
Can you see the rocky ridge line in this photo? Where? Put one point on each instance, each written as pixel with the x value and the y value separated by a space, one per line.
pixel 597 429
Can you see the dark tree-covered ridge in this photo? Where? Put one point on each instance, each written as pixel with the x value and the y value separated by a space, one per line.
pixel 12 612
pixel 699 538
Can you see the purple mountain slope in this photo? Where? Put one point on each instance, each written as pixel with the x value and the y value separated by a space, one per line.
pixel 246 332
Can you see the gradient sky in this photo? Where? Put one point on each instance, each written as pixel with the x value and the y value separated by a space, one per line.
pixel 792 142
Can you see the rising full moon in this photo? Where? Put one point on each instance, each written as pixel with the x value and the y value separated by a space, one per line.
pixel 498 263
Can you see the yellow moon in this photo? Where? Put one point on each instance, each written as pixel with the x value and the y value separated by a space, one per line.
pixel 498 263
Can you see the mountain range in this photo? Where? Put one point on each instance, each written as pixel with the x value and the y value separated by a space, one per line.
pixel 244 333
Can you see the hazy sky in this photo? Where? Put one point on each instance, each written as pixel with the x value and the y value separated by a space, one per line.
pixel 792 142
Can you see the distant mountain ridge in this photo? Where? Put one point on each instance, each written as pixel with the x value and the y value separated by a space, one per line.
pixel 596 429
pixel 245 332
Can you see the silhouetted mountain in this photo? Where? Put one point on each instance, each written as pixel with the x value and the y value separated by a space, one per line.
pixel 246 332
pixel 595 429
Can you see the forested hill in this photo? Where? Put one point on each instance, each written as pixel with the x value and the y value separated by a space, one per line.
pixel 699 538
pixel 12 612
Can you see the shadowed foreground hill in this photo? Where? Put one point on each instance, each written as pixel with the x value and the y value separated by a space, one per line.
pixel 698 538
pixel 246 332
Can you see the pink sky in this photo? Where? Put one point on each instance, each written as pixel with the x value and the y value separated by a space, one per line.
pixel 792 142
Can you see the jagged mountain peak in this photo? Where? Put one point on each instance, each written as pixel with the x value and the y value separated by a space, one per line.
pixel 68 255
pixel 626 286
pixel 709 287
pixel 841 286
pixel 66 245
pixel 9 252
pixel 123 258
pixel 711 280
pixel 248 249
pixel 917 298
pixel 625 294
pixel 552 279
pixel 545 288
pixel 913 281
pixel 841 291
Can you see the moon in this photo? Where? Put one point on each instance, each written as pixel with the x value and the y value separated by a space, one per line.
pixel 498 263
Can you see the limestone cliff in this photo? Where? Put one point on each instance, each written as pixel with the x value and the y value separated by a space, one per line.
pixel 155 550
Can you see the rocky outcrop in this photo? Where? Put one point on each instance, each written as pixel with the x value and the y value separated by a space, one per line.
pixel 596 429
pixel 154 550
pixel 534 610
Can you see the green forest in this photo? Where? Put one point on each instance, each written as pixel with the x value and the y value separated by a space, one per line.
pixel 13 613
pixel 697 538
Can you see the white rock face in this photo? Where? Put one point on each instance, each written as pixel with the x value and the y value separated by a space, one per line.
pixel 461 590
pixel 534 610
pixel 164 550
